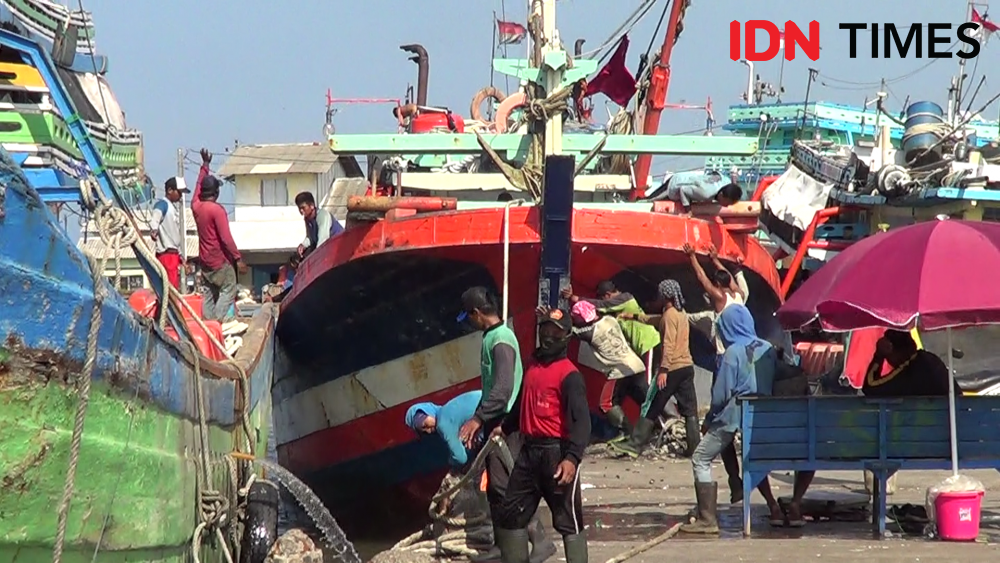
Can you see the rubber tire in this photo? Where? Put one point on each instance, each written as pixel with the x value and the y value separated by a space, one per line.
pixel 260 530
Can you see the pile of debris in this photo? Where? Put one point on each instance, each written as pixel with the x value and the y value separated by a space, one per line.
pixel 669 443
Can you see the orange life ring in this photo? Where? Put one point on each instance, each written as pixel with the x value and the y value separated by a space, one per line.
pixel 488 93
pixel 507 106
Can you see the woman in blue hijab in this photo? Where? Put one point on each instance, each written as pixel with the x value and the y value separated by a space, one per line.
pixel 428 418
pixel 747 368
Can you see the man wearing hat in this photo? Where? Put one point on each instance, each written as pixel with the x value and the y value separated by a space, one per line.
pixel 165 229
pixel 217 251
pixel 553 418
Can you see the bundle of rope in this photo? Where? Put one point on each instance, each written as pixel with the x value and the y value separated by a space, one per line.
pixel 460 518
pixel 538 111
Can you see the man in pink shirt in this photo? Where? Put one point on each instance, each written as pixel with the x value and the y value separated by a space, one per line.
pixel 217 251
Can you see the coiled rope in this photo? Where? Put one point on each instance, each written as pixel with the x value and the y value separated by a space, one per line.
pixel 475 532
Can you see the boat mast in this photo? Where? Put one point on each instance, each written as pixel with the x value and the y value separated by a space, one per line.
pixel 958 82
pixel 656 96
pixel 546 42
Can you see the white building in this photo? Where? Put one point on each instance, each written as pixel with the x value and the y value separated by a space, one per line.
pixel 266 225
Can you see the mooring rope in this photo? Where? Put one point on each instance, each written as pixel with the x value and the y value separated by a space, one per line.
pixel 83 391
pixel 458 542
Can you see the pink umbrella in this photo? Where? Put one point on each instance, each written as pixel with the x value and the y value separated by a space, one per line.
pixel 933 275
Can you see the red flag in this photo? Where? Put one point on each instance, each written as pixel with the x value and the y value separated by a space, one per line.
pixel 614 80
pixel 988 26
pixel 510 33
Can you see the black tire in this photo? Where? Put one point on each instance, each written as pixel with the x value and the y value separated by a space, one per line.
pixel 260 530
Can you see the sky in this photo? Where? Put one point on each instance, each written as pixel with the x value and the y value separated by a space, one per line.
pixel 193 74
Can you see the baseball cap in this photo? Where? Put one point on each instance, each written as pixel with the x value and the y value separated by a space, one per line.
pixel 475 298
pixel 176 183
pixel 557 317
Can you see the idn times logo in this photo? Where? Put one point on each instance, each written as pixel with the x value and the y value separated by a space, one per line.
pixel 887 40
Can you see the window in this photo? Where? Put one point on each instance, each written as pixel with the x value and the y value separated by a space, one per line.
pixel 128 283
pixel 273 192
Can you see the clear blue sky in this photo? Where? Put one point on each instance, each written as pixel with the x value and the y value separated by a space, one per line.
pixel 192 74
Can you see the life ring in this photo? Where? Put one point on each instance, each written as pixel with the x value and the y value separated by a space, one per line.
pixel 507 106
pixel 261 526
pixel 488 93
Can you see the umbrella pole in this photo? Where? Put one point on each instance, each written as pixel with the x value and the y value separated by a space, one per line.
pixel 951 408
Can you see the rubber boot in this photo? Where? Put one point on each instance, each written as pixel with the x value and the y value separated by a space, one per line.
pixel 575 548
pixel 513 545
pixel 541 546
pixel 735 490
pixel 692 431
pixel 639 438
pixel 487 556
pixel 616 417
pixel 707 522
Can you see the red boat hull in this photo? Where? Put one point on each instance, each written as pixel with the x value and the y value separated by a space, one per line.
pixel 369 329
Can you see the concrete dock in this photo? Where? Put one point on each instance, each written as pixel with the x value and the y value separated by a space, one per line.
pixel 628 503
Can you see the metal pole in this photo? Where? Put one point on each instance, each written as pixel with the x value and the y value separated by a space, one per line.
pixel 951 408
pixel 183 248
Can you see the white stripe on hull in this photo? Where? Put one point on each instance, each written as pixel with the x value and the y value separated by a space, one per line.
pixel 377 388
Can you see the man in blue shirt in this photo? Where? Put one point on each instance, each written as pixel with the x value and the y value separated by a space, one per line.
pixel 700 186
pixel 747 368
pixel 428 418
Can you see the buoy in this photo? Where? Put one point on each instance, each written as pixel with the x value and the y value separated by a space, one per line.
pixel 488 93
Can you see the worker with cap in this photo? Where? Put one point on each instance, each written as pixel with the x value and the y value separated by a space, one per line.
pixel 553 417
pixel 220 259
pixel 501 373
pixel 166 231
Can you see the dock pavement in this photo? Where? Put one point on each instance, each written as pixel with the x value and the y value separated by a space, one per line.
pixel 627 503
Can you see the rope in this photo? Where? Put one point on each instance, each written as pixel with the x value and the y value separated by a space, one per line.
pixel 475 533
pixel 117 232
pixel 537 111
pixel 212 505
pixel 83 391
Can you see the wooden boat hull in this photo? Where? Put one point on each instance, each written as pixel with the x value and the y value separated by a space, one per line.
pixel 135 486
pixel 369 328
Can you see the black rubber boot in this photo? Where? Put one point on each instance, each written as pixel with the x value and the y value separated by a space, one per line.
pixel 637 441
pixel 735 490
pixel 513 545
pixel 616 417
pixel 575 548
pixel 692 431
pixel 707 522
pixel 541 546
pixel 487 556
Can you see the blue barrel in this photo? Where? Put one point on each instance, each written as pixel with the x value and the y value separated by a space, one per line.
pixel 919 135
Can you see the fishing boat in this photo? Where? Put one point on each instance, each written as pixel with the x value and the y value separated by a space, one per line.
pixel 123 438
pixel 924 163
pixel 369 326
pixel 35 134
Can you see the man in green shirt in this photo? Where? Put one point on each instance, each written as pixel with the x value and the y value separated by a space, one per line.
pixel 500 373
pixel 644 340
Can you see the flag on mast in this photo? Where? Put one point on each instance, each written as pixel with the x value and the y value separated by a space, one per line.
pixel 510 33
pixel 986 27
pixel 615 80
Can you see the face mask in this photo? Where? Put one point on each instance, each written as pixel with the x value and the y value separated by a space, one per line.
pixel 552 347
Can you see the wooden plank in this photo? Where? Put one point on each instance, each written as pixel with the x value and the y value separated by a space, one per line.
pixel 784 452
pixel 769 420
pixel 781 435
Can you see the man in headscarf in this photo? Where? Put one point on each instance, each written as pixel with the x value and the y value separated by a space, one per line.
pixel 747 368
pixel 606 350
pixel 429 418
pixel 675 375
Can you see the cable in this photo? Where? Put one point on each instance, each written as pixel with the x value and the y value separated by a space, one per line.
pixel 900 78
pixel 624 29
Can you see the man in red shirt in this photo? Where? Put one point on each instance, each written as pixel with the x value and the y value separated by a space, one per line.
pixel 554 420
pixel 217 251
